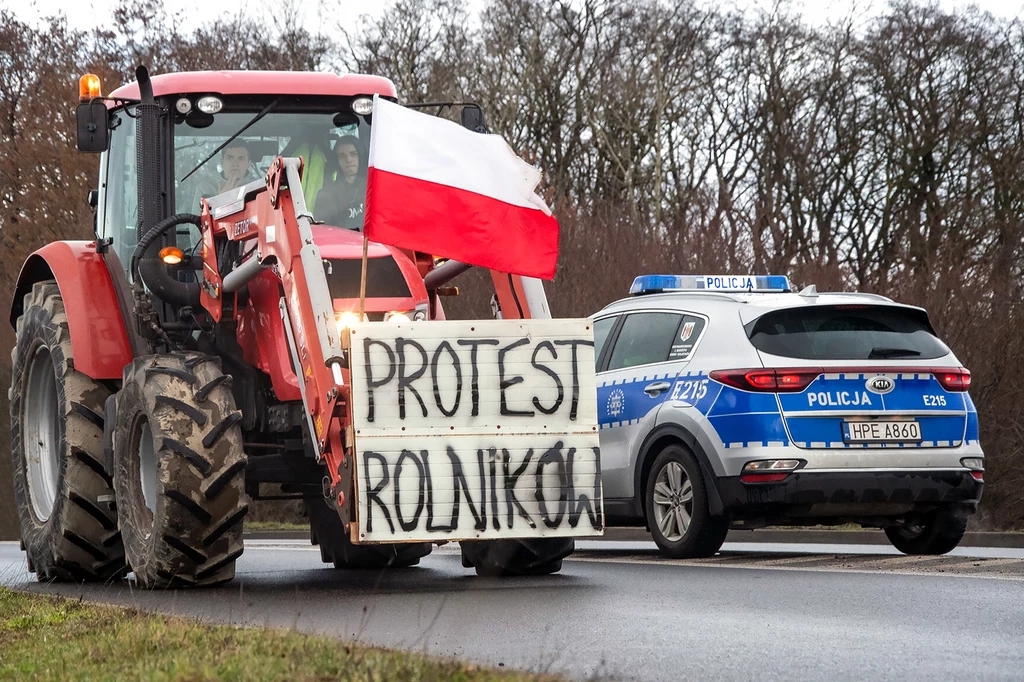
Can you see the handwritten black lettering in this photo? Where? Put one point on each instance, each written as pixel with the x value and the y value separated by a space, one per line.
pixel 511 479
pixel 425 456
pixel 373 492
pixel 370 382
pixel 492 457
pixel 411 524
pixel 505 384
pixel 474 381
pixel 551 373
pixel 457 366
pixel 559 502
pixel 552 456
pixel 405 379
pixel 459 479
pixel 575 343
pixel 592 506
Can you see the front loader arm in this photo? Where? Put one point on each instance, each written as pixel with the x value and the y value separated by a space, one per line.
pixel 520 298
pixel 277 220
pixel 516 297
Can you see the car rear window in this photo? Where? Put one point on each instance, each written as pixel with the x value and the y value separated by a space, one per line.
pixel 846 332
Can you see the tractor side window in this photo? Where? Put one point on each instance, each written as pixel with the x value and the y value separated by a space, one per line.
pixel 121 215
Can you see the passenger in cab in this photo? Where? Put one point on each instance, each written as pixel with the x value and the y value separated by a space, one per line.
pixel 342 200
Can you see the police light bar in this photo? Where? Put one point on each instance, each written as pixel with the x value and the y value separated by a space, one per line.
pixel 649 284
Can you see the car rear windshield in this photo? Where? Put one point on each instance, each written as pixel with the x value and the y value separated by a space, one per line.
pixel 846 332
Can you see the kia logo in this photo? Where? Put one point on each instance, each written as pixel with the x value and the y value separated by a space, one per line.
pixel 881 385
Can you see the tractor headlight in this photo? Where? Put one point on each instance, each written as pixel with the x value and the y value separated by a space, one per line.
pixel 362 106
pixel 346 320
pixel 397 317
pixel 209 104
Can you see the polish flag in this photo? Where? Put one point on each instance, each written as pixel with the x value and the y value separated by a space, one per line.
pixel 436 187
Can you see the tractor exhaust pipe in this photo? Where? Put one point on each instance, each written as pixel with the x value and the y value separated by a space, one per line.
pixel 152 201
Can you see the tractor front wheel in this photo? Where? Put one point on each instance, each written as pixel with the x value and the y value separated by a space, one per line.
pixel 337 548
pixel 179 471
pixel 540 556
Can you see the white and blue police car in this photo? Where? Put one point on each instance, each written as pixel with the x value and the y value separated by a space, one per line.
pixel 736 402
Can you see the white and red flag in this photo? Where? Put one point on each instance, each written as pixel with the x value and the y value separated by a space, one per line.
pixel 439 188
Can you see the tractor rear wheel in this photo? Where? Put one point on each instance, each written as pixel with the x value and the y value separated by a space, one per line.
pixel 337 548
pixel 540 556
pixel 61 487
pixel 179 471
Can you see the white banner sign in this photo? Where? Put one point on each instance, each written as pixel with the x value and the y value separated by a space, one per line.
pixel 475 430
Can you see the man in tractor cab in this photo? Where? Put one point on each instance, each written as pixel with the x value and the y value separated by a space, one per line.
pixel 236 170
pixel 342 200
pixel 308 145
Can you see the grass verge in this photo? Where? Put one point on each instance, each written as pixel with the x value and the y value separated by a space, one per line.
pixel 52 638
pixel 260 526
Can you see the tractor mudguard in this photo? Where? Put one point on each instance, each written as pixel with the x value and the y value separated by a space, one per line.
pixel 99 340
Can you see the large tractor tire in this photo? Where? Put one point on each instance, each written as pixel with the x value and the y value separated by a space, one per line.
pixel 62 490
pixel 541 556
pixel 336 548
pixel 179 471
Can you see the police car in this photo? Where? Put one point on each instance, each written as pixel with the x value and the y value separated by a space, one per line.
pixel 735 402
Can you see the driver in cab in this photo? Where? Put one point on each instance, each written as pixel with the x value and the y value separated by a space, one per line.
pixel 235 171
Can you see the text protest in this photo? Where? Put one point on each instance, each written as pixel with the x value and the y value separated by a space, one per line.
pixel 475 430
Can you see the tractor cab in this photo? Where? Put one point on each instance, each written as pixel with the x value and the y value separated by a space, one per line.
pixel 215 133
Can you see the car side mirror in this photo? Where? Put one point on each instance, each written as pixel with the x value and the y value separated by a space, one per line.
pixel 473 118
pixel 93 127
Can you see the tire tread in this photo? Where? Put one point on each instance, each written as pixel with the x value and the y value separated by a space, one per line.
pixel 198 534
pixel 79 540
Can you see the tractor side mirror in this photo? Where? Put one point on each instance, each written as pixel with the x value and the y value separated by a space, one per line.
pixel 93 127
pixel 473 118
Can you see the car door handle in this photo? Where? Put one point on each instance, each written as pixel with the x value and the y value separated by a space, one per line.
pixel 657 388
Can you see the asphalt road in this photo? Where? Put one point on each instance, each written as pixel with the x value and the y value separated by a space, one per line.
pixel 619 611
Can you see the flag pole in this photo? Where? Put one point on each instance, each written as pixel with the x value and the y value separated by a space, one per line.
pixel 362 279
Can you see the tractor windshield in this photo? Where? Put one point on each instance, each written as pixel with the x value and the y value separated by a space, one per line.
pixel 334 148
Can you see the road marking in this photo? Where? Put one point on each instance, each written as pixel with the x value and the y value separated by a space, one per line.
pixel 835 563
pixel 948 566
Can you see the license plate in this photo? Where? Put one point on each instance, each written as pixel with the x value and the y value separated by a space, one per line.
pixel 882 431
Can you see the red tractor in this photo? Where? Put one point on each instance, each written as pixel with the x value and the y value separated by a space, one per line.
pixel 197 348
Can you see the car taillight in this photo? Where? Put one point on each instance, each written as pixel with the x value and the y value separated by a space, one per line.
pixel 763 478
pixel 953 379
pixel 768 380
pixel 769 470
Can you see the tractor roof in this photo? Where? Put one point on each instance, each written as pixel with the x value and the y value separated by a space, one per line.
pixel 261 83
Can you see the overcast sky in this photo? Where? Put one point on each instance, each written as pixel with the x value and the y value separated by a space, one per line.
pixel 187 13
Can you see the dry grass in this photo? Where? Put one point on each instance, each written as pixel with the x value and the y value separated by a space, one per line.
pixel 52 638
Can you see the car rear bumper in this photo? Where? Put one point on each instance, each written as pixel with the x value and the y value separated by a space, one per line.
pixel 853 496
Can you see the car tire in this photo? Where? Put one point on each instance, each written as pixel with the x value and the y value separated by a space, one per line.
pixel 938 533
pixel 676 503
